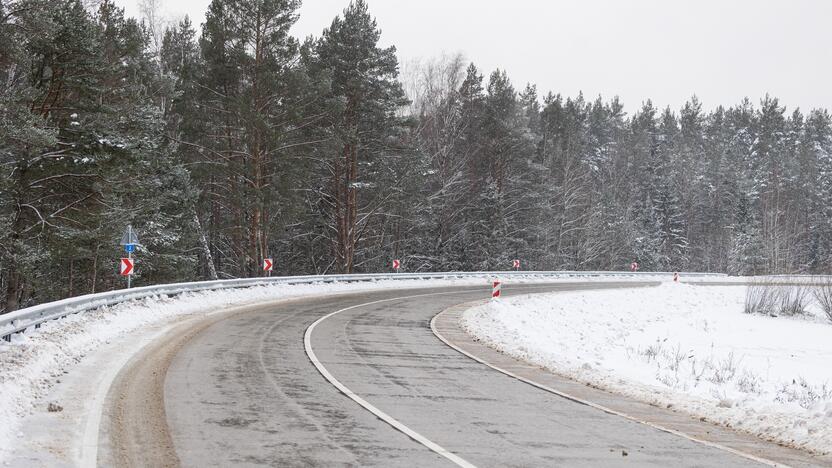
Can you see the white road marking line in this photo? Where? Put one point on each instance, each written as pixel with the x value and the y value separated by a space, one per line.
pixel 715 445
pixel 307 343
pixel 87 456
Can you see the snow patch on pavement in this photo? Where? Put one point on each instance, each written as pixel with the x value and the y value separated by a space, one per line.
pixel 689 347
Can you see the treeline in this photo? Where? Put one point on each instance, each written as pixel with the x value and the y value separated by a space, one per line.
pixel 241 142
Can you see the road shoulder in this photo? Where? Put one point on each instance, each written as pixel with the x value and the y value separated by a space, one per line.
pixel 446 326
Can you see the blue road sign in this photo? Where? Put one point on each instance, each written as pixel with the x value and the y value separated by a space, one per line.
pixel 129 247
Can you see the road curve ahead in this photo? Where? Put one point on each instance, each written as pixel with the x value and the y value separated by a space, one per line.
pixel 369 386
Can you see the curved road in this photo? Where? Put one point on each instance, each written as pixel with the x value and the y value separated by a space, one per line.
pixel 239 389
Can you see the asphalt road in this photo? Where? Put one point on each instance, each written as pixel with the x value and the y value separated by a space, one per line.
pixel 241 390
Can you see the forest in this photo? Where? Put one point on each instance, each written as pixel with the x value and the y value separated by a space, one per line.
pixel 230 141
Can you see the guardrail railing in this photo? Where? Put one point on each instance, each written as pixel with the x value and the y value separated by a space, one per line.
pixel 20 320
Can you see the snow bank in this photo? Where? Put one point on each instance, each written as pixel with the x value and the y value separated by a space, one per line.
pixel 686 346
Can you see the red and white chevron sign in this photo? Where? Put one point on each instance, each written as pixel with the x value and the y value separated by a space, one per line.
pixel 126 267
pixel 397 264
pixel 495 289
pixel 515 264
pixel 268 264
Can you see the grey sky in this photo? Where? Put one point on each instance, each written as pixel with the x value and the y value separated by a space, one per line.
pixel 636 49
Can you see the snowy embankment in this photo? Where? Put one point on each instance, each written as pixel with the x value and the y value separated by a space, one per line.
pixel 688 347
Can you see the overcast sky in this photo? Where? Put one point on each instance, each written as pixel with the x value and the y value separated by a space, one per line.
pixel 720 50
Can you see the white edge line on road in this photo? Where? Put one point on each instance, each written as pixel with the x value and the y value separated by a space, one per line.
pixel 307 343
pixel 87 456
pixel 597 406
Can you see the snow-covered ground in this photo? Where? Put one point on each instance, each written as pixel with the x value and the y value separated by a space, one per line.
pixel 35 363
pixel 687 346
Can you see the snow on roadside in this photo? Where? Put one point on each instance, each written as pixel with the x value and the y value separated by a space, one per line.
pixel 686 346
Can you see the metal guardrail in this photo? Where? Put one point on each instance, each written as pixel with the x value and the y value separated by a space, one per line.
pixel 20 320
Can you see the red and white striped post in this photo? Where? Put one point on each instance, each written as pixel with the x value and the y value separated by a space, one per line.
pixel 676 277
pixel 495 289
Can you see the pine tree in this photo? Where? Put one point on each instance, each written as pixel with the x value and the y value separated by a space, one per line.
pixel 642 148
pixel 181 67
pixel 721 194
pixel 817 150
pixel 672 230
pixel 251 91
pixel 364 98
pixel 95 160
pixel 768 172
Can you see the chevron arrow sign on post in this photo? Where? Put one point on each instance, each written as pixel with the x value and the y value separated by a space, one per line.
pixel 129 240
pixel 268 264
pixel 126 267
pixel 397 264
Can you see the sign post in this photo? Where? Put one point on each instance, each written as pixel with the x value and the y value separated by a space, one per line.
pixel 397 264
pixel 495 289
pixel 268 264
pixel 516 264
pixel 129 240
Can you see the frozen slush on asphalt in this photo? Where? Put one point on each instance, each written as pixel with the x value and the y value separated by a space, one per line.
pixel 688 347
